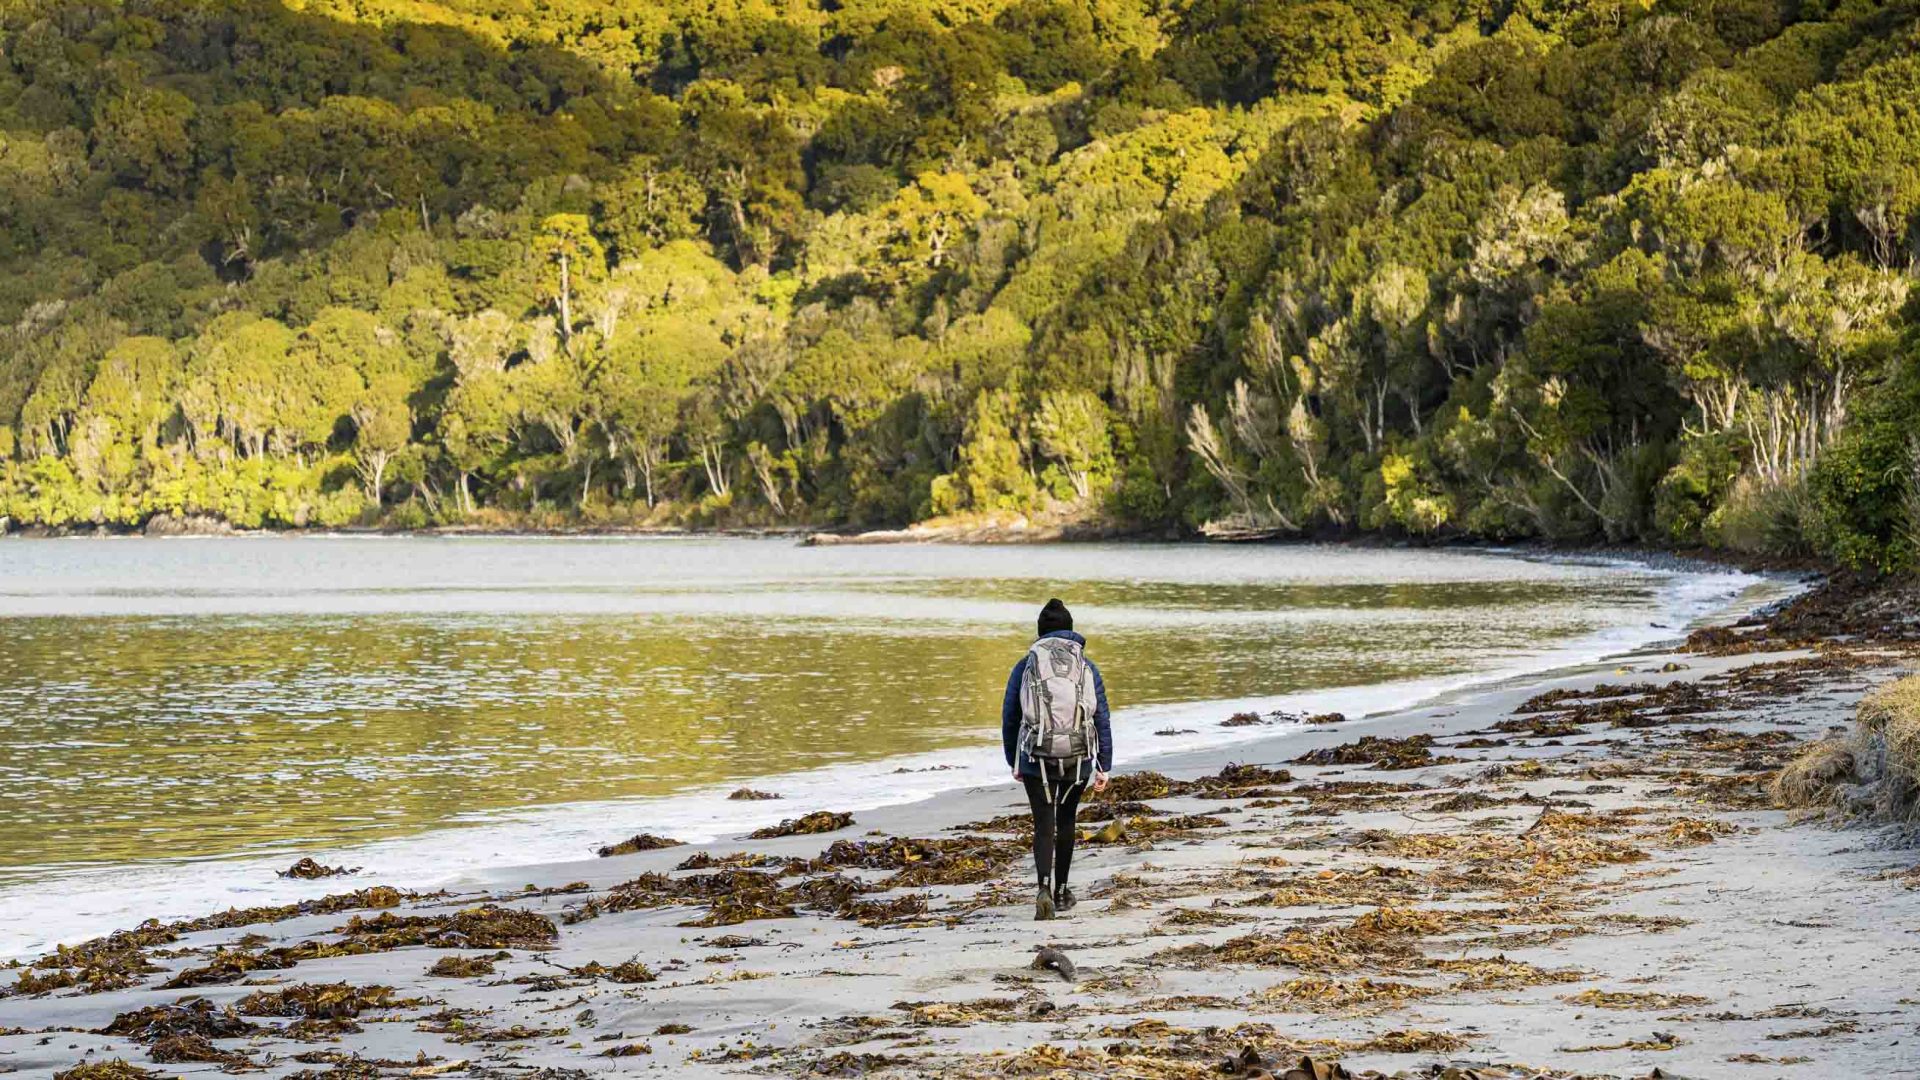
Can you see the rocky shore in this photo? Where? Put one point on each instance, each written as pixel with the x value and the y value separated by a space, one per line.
pixel 1580 876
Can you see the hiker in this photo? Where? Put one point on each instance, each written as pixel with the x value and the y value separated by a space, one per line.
pixel 1055 730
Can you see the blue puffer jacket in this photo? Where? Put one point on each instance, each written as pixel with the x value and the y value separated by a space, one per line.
pixel 1010 717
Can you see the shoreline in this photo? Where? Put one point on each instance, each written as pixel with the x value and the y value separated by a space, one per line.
pixel 965 535
pixel 1571 872
pixel 1696 559
pixel 470 844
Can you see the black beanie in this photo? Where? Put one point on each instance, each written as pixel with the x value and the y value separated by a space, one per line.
pixel 1055 616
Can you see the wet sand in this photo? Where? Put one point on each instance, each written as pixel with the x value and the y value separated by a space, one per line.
pixel 1576 876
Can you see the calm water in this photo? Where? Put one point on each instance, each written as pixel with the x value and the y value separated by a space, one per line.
pixel 192 698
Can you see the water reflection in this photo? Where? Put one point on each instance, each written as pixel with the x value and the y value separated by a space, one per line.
pixel 199 699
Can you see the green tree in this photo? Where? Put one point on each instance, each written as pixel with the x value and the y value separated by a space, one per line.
pixel 566 243
pixel 1071 429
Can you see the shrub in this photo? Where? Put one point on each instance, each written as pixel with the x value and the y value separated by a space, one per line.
pixel 1858 496
pixel 1761 518
pixel 1889 750
pixel 1873 772
pixel 1687 494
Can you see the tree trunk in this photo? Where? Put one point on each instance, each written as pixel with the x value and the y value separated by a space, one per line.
pixel 378 481
pixel 715 464
pixel 649 458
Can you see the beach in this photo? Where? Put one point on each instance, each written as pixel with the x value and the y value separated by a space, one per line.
pixel 184 718
pixel 1578 875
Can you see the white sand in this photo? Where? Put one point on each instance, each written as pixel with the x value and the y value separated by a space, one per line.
pixel 1792 921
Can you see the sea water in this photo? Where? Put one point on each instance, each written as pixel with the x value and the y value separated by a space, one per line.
pixel 179 718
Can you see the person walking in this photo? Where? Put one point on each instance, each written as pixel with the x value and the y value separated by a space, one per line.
pixel 1058 738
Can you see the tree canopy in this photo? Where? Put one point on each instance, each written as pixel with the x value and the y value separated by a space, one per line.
pixel 1571 269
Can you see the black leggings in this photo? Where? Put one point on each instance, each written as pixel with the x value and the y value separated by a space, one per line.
pixel 1053 826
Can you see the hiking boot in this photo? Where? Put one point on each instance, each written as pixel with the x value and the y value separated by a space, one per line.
pixel 1063 899
pixel 1043 907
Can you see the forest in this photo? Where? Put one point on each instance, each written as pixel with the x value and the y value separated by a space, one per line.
pixel 1575 270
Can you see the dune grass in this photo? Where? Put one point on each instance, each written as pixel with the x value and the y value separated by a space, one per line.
pixel 1872 771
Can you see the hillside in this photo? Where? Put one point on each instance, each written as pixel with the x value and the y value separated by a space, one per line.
pixel 1553 269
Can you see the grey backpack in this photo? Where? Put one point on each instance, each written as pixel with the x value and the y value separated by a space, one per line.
pixel 1057 700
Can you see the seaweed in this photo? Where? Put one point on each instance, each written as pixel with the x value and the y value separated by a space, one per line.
pixel 119 960
pixel 896 852
pixel 1202 917
pixel 637 843
pixel 1538 727
pixel 228 965
pixel 181 1049
pixel 1382 936
pixel 627 971
pixel 902 908
pixel 486 926
pixel 188 1016
pixel 1014 823
pixel 114 962
pixel 1140 786
pixel 749 794
pixel 1624 999
pixel 844 1063
pixel 739 860
pixel 1694 832
pixel 461 1033
pixel 421 1065
pixel 964 860
pixel 653 890
pixel 1411 752
pixel 113 1069
pixel 373 897
pixel 1352 995
pixel 1249 776
pixel 1135 830
pixel 961 1013
pixel 743 907
pixel 1500 973
pixel 829 893
pixel 1410 1042
pixel 461 967
pixel 1465 801
pixel 309 870
pixel 321 1001
pixel 819 821
pixel 1107 811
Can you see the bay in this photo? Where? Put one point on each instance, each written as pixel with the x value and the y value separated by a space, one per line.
pixel 173 702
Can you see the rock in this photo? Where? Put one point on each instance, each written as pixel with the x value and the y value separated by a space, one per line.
pixel 187 525
pixel 1052 959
